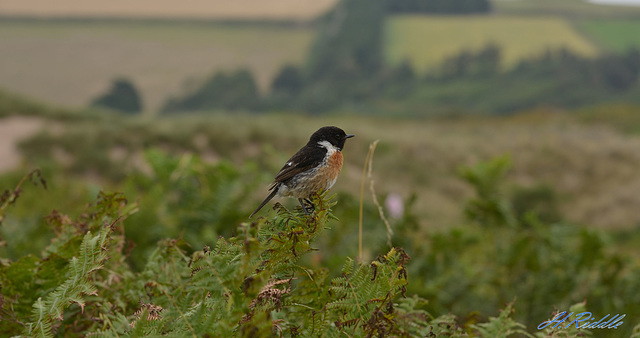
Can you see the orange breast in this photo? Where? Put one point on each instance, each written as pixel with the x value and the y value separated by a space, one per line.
pixel 335 165
pixel 321 179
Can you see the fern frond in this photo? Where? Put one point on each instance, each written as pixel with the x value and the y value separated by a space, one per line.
pixel 347 267
pixel 74 288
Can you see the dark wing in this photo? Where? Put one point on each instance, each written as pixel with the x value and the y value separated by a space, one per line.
pixel 305 159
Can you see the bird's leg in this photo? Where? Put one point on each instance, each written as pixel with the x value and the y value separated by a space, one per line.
pixel 304 208
pixel 309 208
pixel 310 205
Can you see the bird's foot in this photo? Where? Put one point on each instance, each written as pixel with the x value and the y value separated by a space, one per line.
pixel 307 206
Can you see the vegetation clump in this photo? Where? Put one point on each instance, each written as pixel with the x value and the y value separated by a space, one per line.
pixel 250 284
pixel 122 96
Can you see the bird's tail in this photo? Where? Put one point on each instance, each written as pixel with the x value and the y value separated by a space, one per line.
pixel 266 200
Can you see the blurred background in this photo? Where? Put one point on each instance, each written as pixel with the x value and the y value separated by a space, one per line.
pixel 508 162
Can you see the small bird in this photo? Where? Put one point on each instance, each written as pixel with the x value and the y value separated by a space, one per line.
pixel 315 167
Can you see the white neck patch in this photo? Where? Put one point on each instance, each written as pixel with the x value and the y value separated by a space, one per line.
pixel 330 147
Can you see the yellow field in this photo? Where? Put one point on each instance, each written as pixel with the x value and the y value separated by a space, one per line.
pixel 71 62
pixel 210 9
pixel 427 40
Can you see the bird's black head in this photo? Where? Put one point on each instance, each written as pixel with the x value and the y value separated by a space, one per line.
pixel 333 135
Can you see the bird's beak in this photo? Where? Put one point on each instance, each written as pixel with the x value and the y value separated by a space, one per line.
pixel 349 136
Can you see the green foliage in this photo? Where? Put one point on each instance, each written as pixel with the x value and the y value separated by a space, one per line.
pixel 9 197
pixel 540 200
pixel 186 198
pixel 501 326
pixel 252 284
pixel 489 206
pixel 122 96
pixel 544 265
pixel 48 294
pixel 281 275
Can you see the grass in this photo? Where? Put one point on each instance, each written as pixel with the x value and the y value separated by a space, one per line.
pixel 427 40
pixel 613 35
pixel 162 58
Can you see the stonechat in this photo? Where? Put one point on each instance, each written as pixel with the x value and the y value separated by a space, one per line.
pixel 315 167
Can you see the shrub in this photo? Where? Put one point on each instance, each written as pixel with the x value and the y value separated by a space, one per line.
pixel 231 91
pixel 122 96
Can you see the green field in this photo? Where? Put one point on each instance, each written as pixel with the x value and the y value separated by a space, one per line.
pixel 614 35
pixel 426 40
pixel 70 62
pixel 572 9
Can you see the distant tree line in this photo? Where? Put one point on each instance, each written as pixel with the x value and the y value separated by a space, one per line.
pixel 345 69
pixel 469 80
pixel 439 6
pixel 228 91
pixel 556 78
